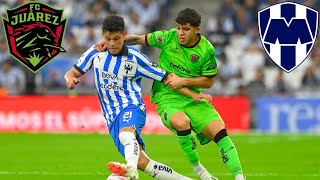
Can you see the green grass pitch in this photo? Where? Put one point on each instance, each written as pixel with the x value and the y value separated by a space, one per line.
pixel 84 156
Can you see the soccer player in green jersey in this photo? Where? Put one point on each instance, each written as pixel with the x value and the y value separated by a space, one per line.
pixel 192 58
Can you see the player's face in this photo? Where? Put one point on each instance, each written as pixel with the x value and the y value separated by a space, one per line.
pixel 187 34
pixel 114 41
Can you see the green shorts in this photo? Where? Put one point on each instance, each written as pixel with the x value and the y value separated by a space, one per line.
pixel 199 113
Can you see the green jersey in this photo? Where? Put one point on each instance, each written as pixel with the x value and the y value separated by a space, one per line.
pixel 187 62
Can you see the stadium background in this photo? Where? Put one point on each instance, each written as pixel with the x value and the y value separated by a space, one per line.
pixel 273 116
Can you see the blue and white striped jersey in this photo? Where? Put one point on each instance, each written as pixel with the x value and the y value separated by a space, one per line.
pixel 118 78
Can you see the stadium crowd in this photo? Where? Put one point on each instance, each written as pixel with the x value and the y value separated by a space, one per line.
pixel 244 67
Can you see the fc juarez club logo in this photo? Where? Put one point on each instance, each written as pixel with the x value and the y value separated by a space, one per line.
pixel 34 32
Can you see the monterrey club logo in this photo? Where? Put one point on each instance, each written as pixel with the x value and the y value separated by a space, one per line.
pixel 34 32
pixel 288 31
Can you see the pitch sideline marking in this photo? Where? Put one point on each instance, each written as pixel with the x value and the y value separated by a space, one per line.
pixel 103 173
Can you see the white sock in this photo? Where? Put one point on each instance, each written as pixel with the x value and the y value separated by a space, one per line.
pixel 240 177
pixel 131 148
pixel 198 169
pixel 163 172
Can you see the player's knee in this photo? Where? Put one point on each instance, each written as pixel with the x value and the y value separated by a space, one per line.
pixel 220 135
pixel 213 129
pixel 125 137
pixel 180 123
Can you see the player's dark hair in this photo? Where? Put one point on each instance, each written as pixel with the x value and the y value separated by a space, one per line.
pixel 113 23
pixel 189 16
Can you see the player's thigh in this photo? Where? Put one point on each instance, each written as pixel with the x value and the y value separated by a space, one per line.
pixel 130 117
pixel 114 133
pixel 201 114
pixel 166 111
pixel 179 121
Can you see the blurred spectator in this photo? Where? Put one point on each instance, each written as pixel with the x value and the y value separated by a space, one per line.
pixel 55 80
pixel 89 35
pixel 229 10
pixel 3 49
pixel 256 87
pixel 74 10
pixel 316 67
pixel 19 2
pixel 316 49
pixel 281 87
pixel 252 40
pixel 241 91
pixel 309 80
pixel 148 11
pixel 241 22
pixel 34 83
pixel 71 44
pixel 12 78
pixel 97 11
pixel 217 35
pixel 227 70
pixel 253 56
pixel 251 7
pixel 220 21
pixel 221 87
pixel 121 7
pixel 134 24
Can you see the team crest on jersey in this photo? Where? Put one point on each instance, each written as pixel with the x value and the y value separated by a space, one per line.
pixel 127 67
pixel 160 40
pixel 34 32
pixel 288 31
pixel 194 58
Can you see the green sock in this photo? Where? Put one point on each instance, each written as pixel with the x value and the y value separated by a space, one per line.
pixel 188 145
pixel 229 155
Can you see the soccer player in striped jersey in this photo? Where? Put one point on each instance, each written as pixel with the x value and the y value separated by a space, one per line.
pixel 118 73
pixel 191 56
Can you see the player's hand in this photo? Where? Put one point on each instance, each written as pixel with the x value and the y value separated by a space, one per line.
pixel 100 46
pixel 71 82
pixel 201 97
pixel 173 81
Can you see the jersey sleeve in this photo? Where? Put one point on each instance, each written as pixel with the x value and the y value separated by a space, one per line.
pixel 157 38
pixel 84 63
pixel 209 67
pixel 149 69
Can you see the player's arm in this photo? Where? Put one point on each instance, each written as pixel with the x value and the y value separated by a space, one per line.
pixel 84 63
pixel 176 82
pixel 135 39
pixel 186 91
pixel 71 78
pixel 197 97
pixel 199 82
